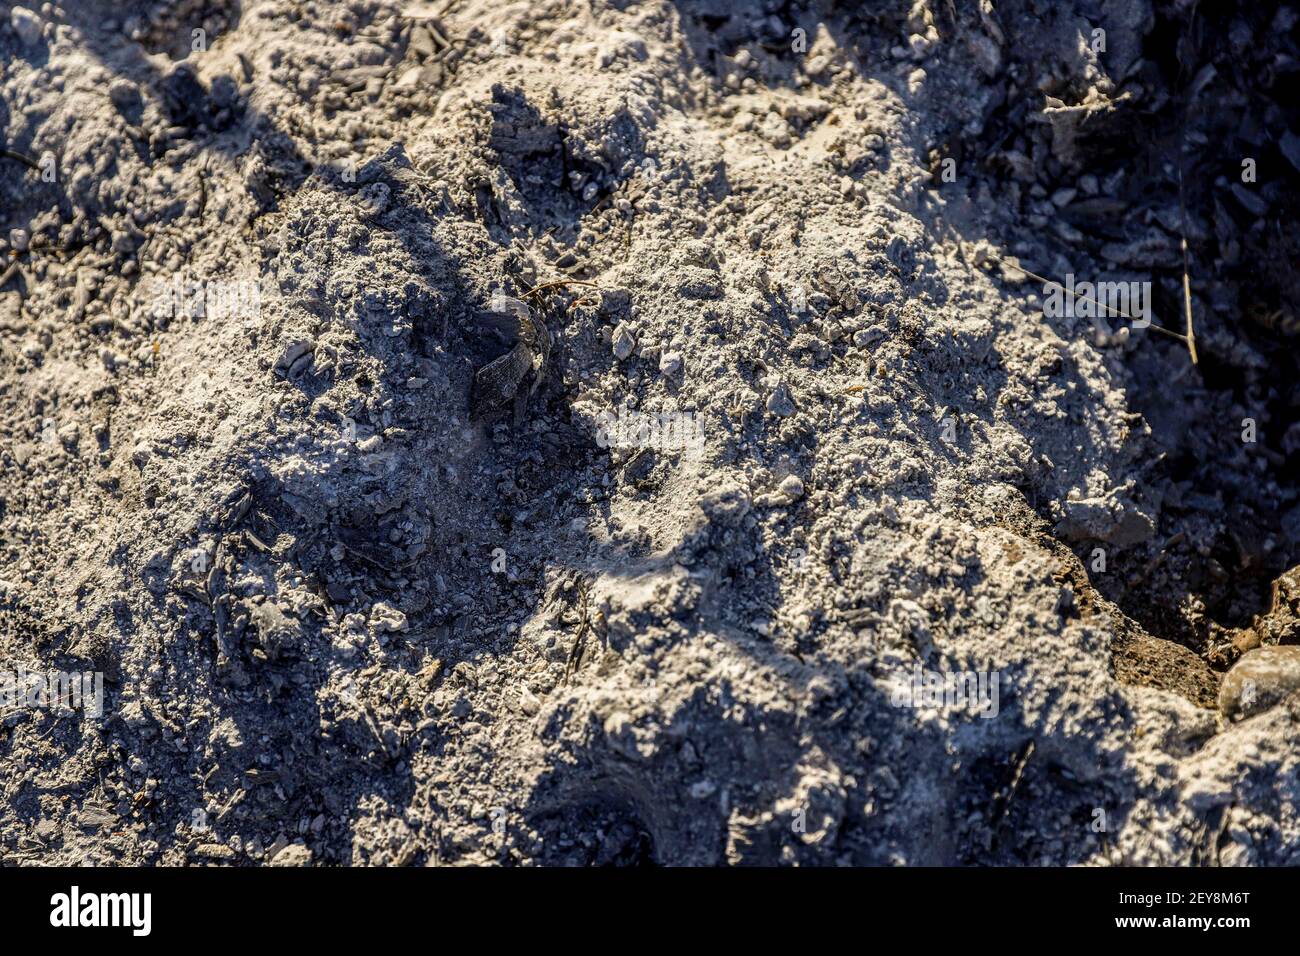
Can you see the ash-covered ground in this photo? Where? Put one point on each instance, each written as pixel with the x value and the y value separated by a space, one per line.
pixel 562 433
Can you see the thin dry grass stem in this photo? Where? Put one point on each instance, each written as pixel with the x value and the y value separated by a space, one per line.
pixel 1187 304
pixel 1187 282
pixel 1086 298
pixel 556 282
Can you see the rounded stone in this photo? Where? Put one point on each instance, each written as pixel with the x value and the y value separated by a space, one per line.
pixel 792 487
pixel 27 25
pixel 1262 678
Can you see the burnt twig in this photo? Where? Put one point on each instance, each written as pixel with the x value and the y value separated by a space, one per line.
pixel 20 158
pixel 580 640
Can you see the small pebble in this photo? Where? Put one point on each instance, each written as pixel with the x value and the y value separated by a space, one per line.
pixel 1063 197
pixel 780 402
pixel 125 95
pixel 791 487
pixel 27 25
pixel 293 855
pixel 623 342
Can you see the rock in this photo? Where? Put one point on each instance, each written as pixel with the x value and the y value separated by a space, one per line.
pixel 780 402
pixel 1113 518
pixel 224 92
pixel 791 487
pixel 787 492
pixel 215 851
pixel 295 359
pixel 126 97
pixel 527 702
pixel 1253 203
pixel 801 109
pixel 375 198
pixel 623 342
pixel 987 54
pixel 92 819
pixel 1127 23
pixel 1261 679
pixel 670 363
pixel 276 631
pixel 295 854
pixel 47 830
pixel 726 505
pixel 1155 249
pixel 1290 147
pixel 386 618
pixel 27 25
pixel 184 99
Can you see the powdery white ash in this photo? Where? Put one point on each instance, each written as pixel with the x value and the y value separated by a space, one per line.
pixel 419 637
